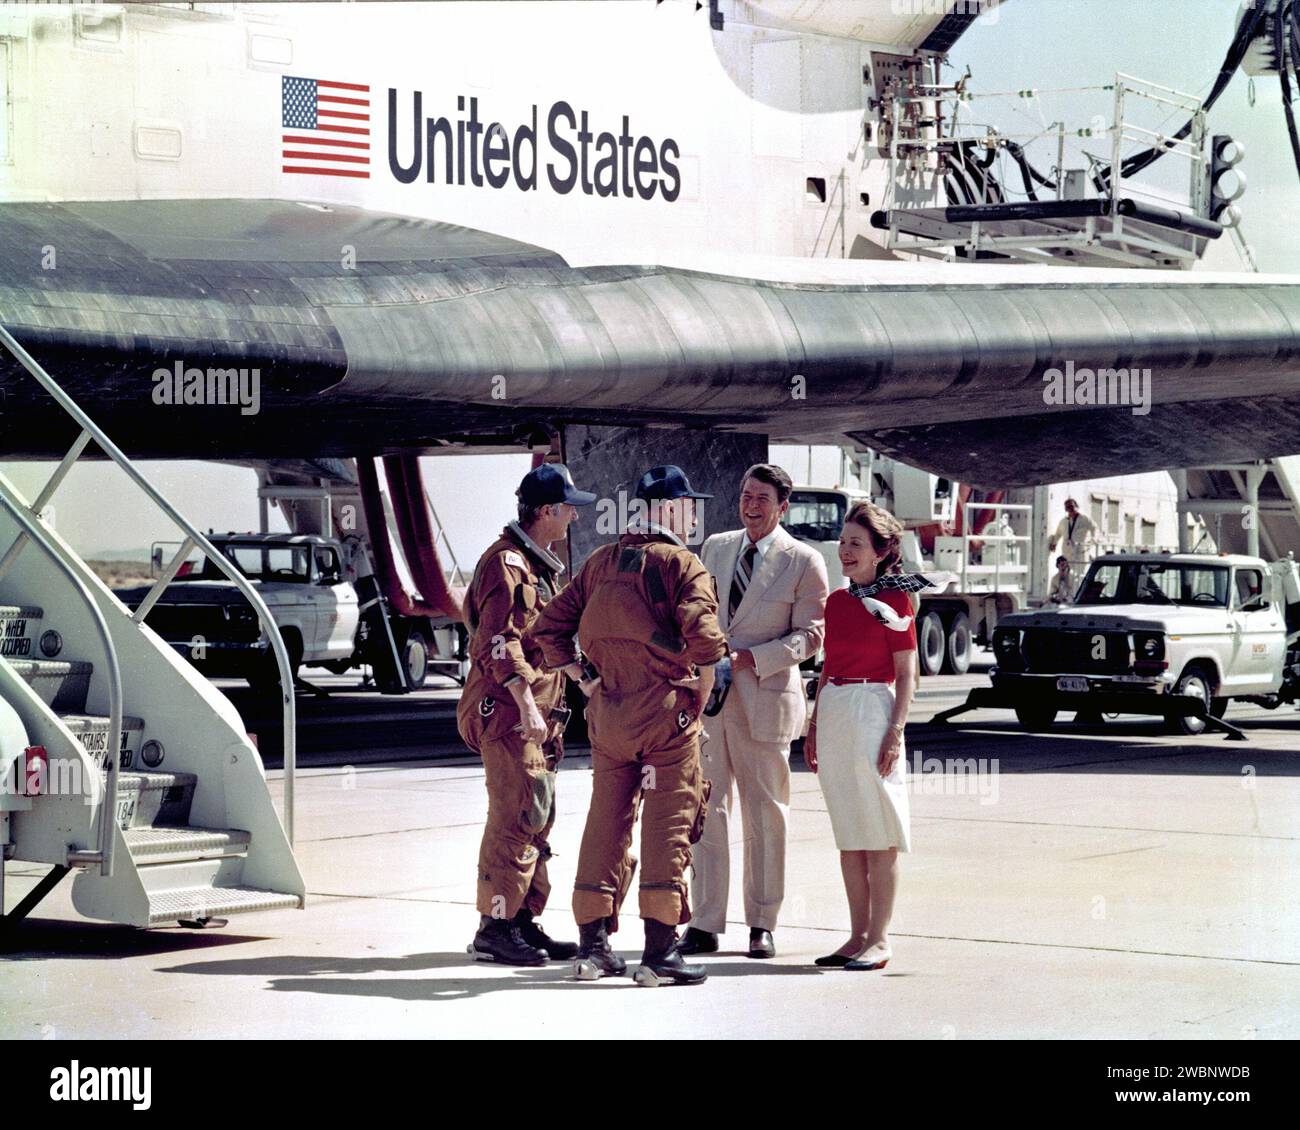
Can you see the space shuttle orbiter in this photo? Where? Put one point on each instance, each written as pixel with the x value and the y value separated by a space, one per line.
pixel 466 225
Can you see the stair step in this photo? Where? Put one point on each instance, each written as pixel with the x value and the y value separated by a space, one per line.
pixel 215 902
pixel 61 683
pixel 151 799
pixel 177 845
pixel 92 731
pixel 17 621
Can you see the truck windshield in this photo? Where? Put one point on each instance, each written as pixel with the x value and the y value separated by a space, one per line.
pixel 289 563
pixel 815 515
pixel 1155 582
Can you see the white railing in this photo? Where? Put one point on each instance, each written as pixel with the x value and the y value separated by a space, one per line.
pixel 90 430
pixel 990 578
pixel 32 530
pixel 456 575
pixel 927 151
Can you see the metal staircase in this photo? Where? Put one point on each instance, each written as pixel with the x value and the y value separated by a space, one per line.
pixel 118 762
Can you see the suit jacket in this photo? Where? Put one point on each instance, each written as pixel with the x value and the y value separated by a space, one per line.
pixel 781 619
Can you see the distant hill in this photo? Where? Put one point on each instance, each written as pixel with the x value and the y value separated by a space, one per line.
pixel 118 554
pixel 121 573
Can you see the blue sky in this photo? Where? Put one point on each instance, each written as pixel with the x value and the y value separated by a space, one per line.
pixel 1175 43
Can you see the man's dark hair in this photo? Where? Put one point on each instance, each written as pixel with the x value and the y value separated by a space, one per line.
pixel 774 476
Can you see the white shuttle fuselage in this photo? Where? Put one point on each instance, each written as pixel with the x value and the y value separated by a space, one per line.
pixel 610 132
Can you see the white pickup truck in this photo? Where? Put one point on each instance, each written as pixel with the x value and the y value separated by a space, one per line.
pixel 1154 633
pixel 303 579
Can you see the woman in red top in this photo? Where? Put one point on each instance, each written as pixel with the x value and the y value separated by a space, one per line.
pixel 855 742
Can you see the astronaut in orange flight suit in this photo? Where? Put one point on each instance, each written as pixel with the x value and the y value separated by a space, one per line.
pixel 512 714
pixel 644 611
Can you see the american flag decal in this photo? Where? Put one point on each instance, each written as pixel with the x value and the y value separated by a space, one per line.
pixel 326 127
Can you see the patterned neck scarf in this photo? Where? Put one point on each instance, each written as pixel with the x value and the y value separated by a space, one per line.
pixel 898 582
pixel 904 582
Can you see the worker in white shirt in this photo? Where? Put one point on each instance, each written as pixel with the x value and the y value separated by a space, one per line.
pixel 1074 531
pixel 1063 586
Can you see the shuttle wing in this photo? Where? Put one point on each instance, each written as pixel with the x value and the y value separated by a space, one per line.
pixel 373 333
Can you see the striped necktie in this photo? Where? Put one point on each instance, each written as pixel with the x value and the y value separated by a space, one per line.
pixel 740 581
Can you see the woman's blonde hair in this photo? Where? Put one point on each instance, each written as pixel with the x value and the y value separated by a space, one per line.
pixel 886 533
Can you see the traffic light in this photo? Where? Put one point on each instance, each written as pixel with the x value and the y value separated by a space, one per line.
pixel 1227 182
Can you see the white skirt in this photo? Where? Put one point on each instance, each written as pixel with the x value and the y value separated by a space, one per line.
pixel 868 812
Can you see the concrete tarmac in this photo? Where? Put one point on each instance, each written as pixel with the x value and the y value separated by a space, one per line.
pixel 1101 882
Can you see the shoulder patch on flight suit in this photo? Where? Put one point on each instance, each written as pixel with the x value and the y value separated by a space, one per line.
pixel 510 557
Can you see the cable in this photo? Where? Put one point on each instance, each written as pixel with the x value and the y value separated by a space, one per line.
pixel 951 185
pixel 1283 65
pixel 1236 52
pixel 990 190
pixel 1028 173
pixel 958 178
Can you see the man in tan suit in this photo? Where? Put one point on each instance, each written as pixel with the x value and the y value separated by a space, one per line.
pixel 772 593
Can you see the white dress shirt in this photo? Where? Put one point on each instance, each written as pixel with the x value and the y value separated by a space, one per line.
pixel 762 545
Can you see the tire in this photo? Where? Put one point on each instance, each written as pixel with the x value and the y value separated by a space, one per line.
pixel 931 643
pixel 1036 719
pixel 415 655
pixel 265 678
pixel 957 653
pixel 1200 682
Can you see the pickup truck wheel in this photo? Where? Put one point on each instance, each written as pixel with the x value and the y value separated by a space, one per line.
pixel 1198 682
pixel 931 647
pixel 1036 719
pixel 265 679
pixel 416 656
pixel 958 652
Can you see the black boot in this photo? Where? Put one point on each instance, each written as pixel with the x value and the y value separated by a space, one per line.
pixel 595 957
pixel 499 940
pixel 697 941
pixel 661 963
pixel 538 938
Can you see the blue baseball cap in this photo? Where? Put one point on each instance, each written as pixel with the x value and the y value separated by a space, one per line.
pixel 551 483
pixel 666 481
